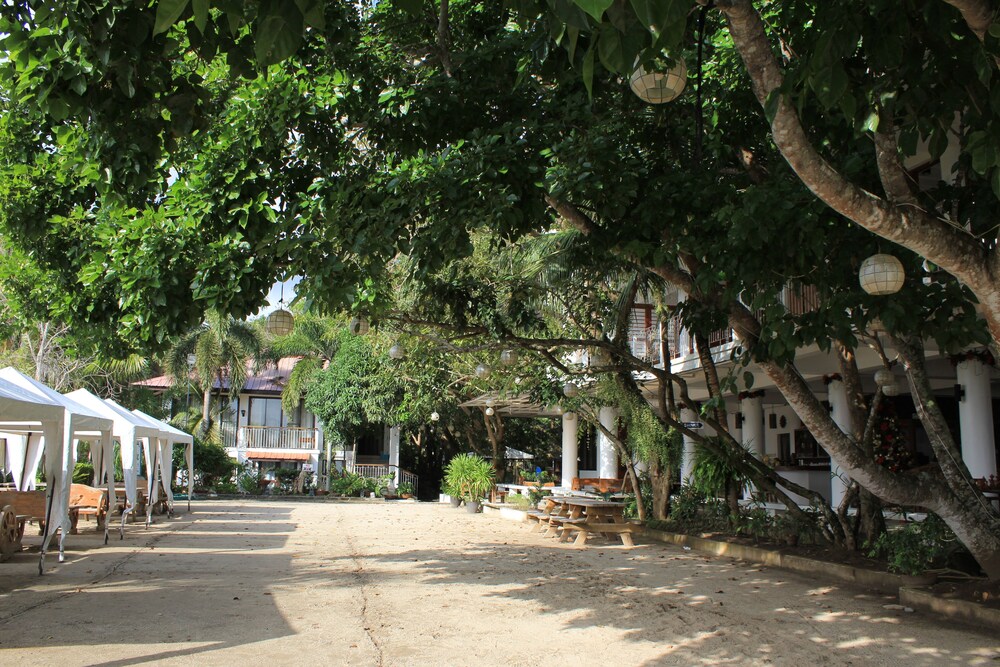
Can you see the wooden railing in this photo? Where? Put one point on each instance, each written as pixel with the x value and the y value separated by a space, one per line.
pixel 269 437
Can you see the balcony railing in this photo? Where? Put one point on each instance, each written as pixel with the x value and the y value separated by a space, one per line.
pixel 375 471
pixel 269 437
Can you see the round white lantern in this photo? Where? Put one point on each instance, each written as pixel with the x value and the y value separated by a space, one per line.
pixel 570 416
pixel 881 274
pixel 359 326
pixel 891 389
pixel 570 390
pixel 483 371
pixel 435 416
pixel 280 323
pixel 490 412
pixel 659 87
pixel 508 357
pixel 396 351
pixel 884 377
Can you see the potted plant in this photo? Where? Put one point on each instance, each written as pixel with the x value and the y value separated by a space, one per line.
pixel 472 477
pixel 405 490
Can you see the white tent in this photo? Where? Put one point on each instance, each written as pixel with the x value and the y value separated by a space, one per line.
pixel 127 430
pixel 24 418
pixel 159 462
pixel 59 446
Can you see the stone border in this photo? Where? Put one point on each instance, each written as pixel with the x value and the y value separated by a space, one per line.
pixel 958 610
pixel 885 582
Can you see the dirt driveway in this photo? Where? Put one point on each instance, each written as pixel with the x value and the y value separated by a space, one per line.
pixel 293 583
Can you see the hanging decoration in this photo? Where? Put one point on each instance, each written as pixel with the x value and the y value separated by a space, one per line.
pixel 281 321
pixel 435 416
pixel 396 351
pixel 508 357
pixel 887 441
pixel 657 87
pixel 570 390
pixel 884 378
pixel 483 371
pixel 359 326
pixel 881 274
pixel 490 412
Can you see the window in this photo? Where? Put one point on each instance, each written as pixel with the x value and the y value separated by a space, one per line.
pixel 588 449
pixel 265 412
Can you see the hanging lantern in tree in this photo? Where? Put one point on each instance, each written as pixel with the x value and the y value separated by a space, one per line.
pixel 483 371
pixel 490 412
pixel 884 378
pixel 280 323
pixel 359 326
pixel 881 274
pixel 656 86
pixel 435 416
pixel 508 357
pixel 396 351
pixel 891 389
pixel 570 390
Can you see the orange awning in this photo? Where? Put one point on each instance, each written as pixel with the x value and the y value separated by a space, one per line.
pixel 272 456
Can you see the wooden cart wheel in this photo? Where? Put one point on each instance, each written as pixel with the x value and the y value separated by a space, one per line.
pixel 10 538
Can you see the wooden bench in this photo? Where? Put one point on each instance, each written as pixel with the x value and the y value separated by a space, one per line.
pixel 584 529
pixel 599 484
pixel 88 501
pixel 16 509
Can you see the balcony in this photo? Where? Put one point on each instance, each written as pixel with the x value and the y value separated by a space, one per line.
pixel 270 437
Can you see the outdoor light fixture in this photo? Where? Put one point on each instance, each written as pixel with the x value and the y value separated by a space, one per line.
pixel 659 87
pixel 280 322
pixel 483 371
pixel 490 412
pixel 508 357
pixel 570 390
pixel 435 416
pixel 396 351
pixel 570 416
pixel 881 274
pixel 359 326
pixel 891 389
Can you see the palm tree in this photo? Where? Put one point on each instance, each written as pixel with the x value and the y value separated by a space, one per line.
pixel 315 340
pixel 223 347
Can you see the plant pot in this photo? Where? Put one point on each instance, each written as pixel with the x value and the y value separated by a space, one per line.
pixel 406 496
pixel 472 506
pixel 917 580
pixel 455 501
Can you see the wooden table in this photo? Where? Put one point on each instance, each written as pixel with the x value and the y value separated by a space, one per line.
pixel 585 516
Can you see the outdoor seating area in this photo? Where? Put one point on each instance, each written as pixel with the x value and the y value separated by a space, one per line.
pixel 579 518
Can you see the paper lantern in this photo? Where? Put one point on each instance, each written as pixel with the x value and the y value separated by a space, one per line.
pixel 396 351
pixel 483 371
pixel 435 416
pixel 280 323
pixel 884 377
pixel 658 87
pixel 570 390
pixel 359 326
pixel 881 274
pixel 508 357
pixel 490 412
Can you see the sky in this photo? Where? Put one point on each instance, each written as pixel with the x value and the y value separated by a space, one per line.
pixel 275 295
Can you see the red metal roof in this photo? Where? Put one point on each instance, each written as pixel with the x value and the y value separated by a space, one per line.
pixel 269 380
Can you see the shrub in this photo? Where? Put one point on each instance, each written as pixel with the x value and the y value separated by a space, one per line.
pixel 471 475
pixel 914 547
pixel 83 473
pixel 250 480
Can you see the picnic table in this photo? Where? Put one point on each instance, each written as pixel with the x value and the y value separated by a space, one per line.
pixel 567 515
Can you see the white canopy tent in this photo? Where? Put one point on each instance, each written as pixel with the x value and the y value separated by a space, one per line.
pixel 23 415
pixel 160 462
pixel 127 430
pixel 58 439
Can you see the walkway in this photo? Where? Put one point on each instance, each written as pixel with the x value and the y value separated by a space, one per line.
pixel 296 583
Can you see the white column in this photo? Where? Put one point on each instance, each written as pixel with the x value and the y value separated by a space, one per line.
pixel 570 449
pixel 839 481
pixel 753 424
pixel 975 416
pixel 394 454
pixel 687 458
pixel 607 457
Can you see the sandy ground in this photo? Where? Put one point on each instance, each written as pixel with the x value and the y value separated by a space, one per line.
pixel 379 583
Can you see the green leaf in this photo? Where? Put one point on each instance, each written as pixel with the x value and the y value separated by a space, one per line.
pixel 748 379
pixel 871 122
pixel 595 8
pixel 611 50
pixel 279 33
pixel 588 72
pixel 312 13
pixel 995 183
pixel 200 9
pixel 167 13
pixel 411 7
